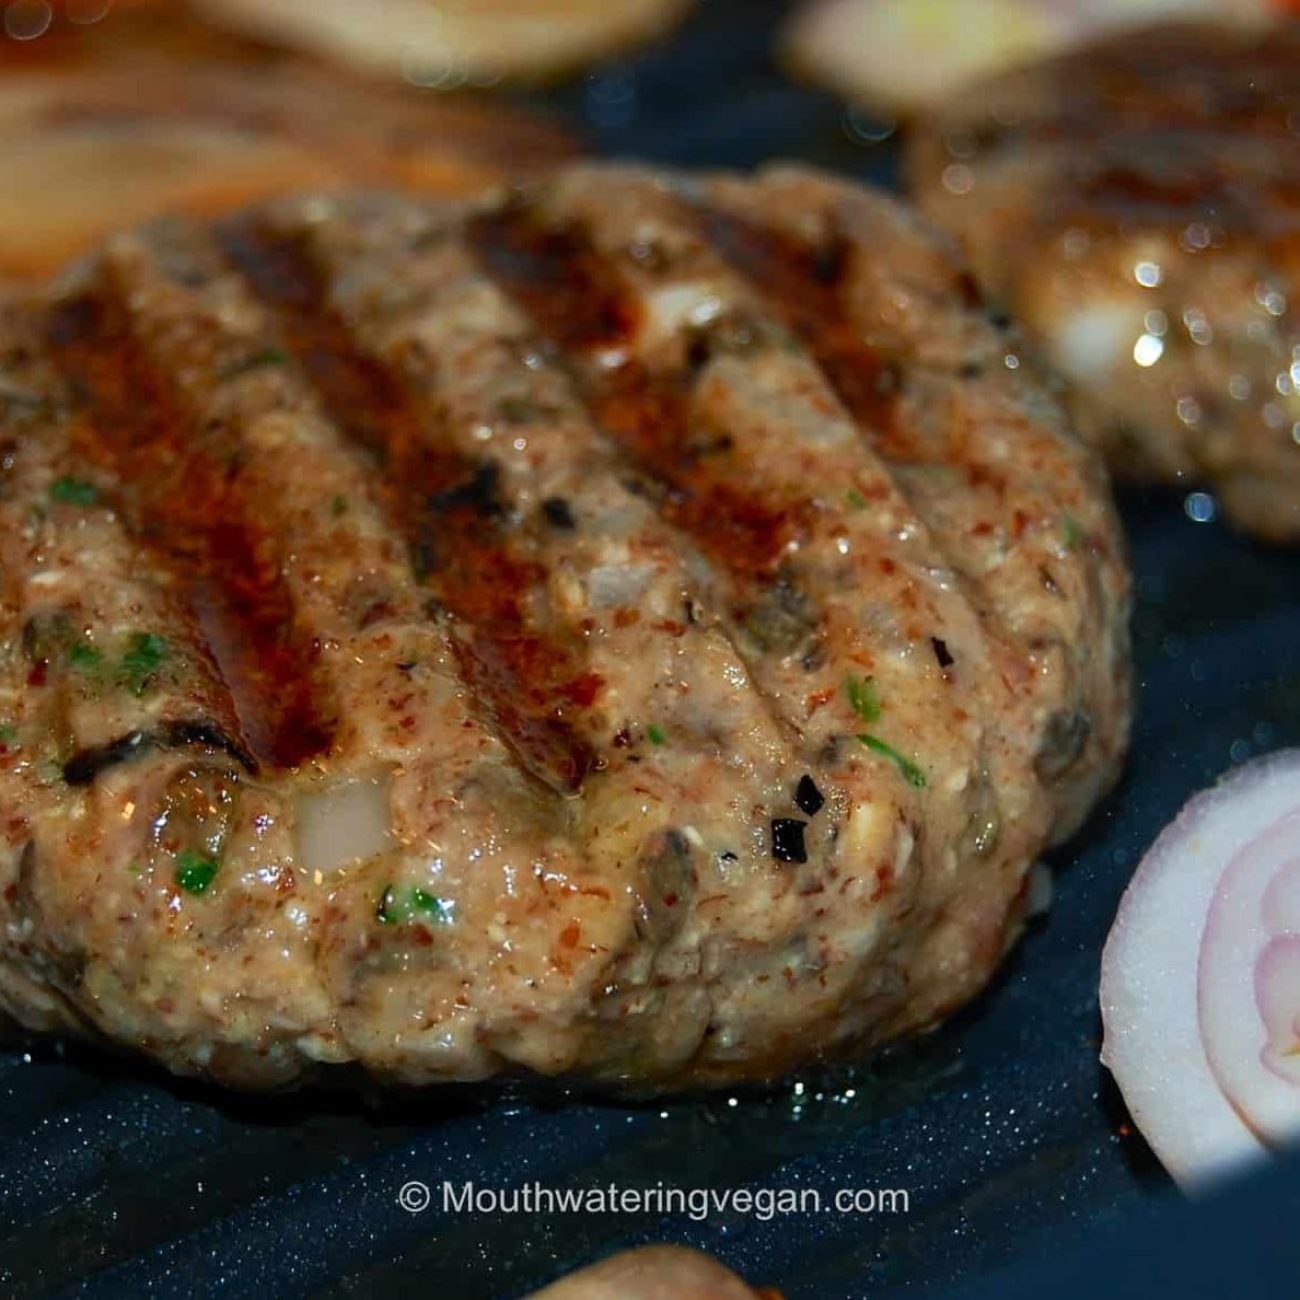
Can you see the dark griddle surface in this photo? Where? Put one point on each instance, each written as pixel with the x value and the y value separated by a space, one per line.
pixel 118 1182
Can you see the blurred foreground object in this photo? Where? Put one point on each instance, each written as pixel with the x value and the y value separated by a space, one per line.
pixel 1134 206
pixel 899 56
pixel 654 1273
pixel 455 42
pixel 108 125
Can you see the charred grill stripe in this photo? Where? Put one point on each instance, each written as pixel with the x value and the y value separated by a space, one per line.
pixel 458 345
pixel 580 304
pixel 823 318
pixel 355 606
pixel 83 767
pixel 1010 526
pixel 177 492
pixel 446 503
pixel 72 567
pixel 804 285
pixel 778 429
pixel 800 284
pixel 575 300
pixel 1016 493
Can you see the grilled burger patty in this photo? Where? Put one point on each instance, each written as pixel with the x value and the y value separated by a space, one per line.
pixel 1135 206
pixel 637 630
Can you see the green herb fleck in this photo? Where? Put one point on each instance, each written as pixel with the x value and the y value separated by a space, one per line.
pixel 74 492
pixel 8 736
pixel 911 773
pixel 254 361
pixel 136 868
pixel 442 910
pixel 194 872
pixel 856 499
pixel 85 657
pixel 864 697
pixel 396 907
pixel 142 659
pixel 1071 532
pixel 655 734
pixel 339 505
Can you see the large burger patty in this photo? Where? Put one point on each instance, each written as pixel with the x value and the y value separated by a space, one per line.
pixel 1135 205
pixel 639 631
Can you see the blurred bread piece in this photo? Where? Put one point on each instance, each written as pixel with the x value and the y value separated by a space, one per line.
pixel 451 43
pixel 900 56
pixel 144 112
pixel 654 1273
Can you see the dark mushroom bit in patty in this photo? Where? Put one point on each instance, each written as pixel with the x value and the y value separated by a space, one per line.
pixel 597 632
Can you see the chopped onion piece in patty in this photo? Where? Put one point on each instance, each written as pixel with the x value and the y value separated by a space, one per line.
pixel 343 821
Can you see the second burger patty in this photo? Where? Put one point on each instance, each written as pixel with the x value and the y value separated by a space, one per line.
pixel 639 630
pixel 1134 205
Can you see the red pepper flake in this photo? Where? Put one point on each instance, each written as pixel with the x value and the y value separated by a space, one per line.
pixel 582 690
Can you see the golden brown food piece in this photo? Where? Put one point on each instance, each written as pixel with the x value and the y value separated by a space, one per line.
pixel 106 127
pixel 1136 207
pixel 905 56
pixel 654 1273
pixel 637 631
pixel 451 43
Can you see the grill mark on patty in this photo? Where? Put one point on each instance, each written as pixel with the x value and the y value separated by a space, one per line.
pixel 1012 489
pixel 804 284
pixel 1012 523
pixel 355 602
pixel 179 493
pixel 739 378
pixel 464 346
pixel 801 283
pixel 561 284
pixel 444 502
pixel 52 519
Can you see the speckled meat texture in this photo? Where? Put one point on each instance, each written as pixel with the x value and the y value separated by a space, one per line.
pixel 639 631
pixel 1134 205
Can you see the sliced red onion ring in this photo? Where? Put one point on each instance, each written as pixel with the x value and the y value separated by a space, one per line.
pixel 1200 985
pixel 1249 981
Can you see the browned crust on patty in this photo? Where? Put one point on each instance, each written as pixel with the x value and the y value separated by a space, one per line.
pixel 1134 205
